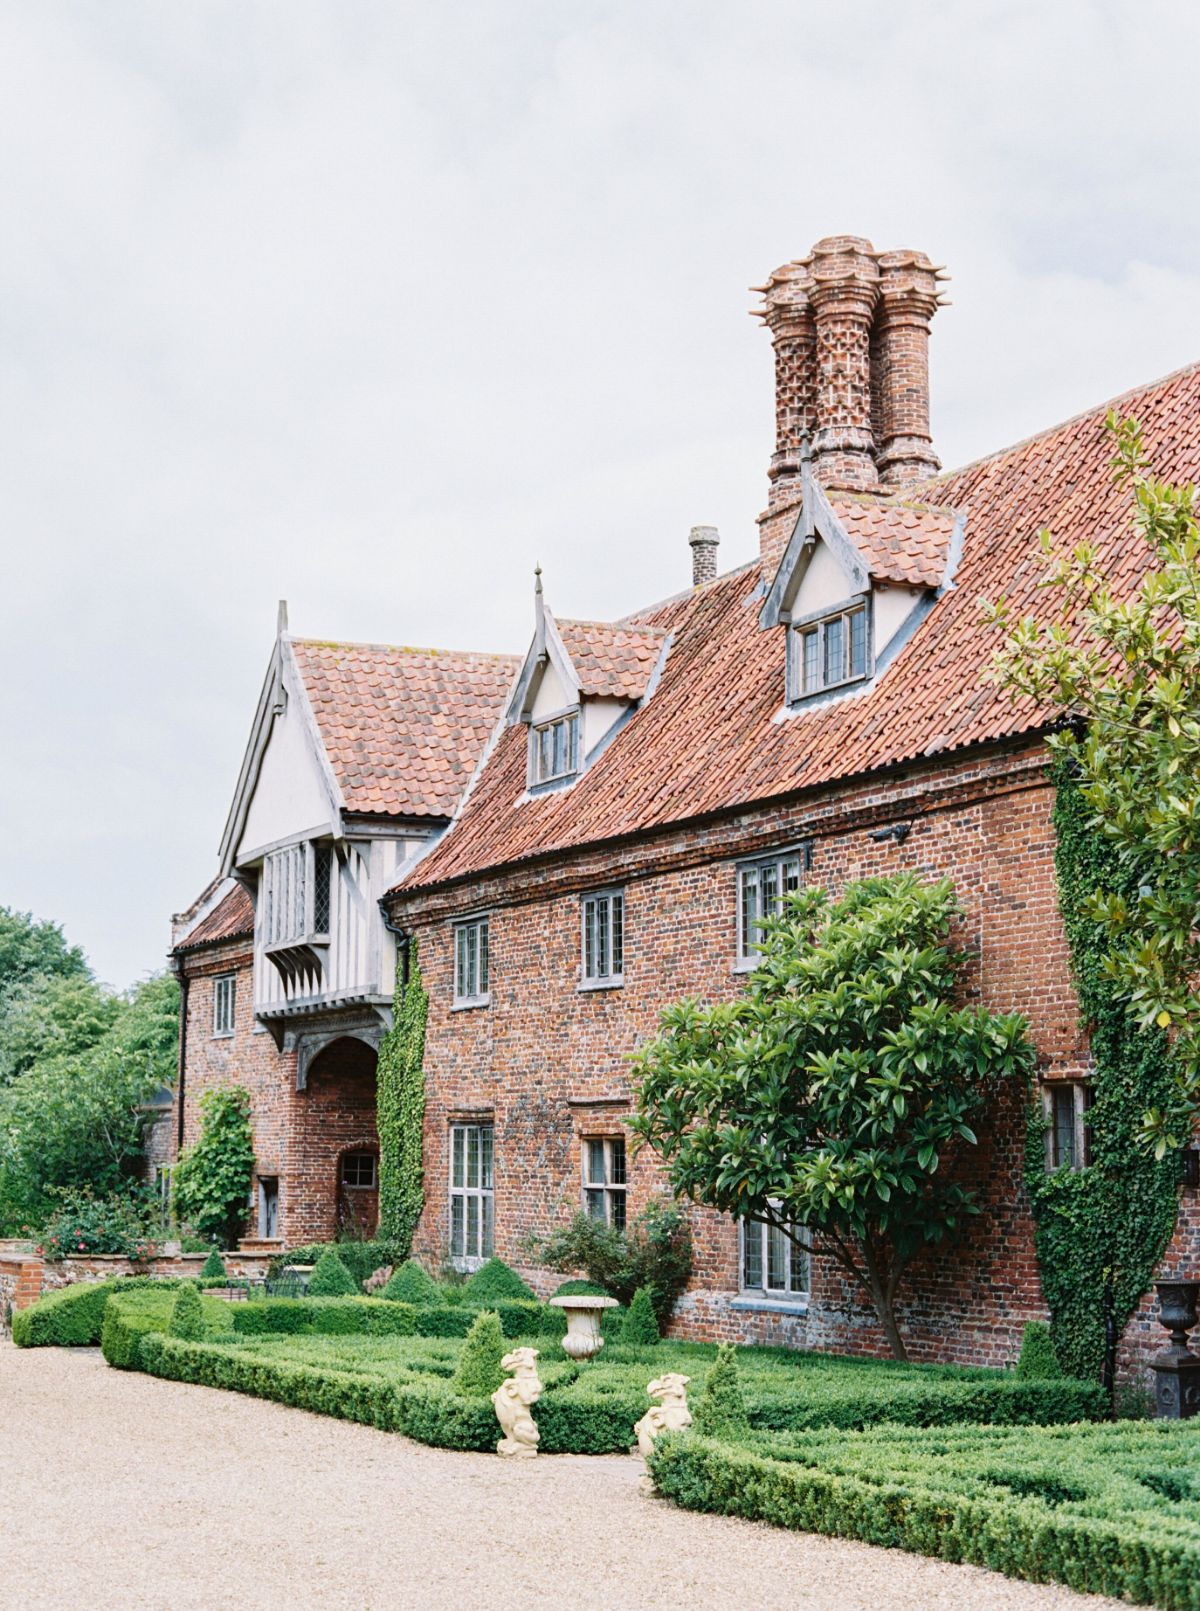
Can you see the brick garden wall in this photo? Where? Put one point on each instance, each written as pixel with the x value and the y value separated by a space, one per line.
pixel 547 1062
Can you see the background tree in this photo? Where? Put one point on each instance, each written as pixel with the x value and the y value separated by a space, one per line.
pixel 832 1100
pixel 213 1177
pixel 1121 664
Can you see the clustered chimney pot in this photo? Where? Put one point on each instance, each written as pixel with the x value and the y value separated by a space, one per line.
pixel 704 540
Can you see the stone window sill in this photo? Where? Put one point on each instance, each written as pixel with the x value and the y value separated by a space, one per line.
pixel 750 1304
pixel 602 984
pixel 222 1034
pixel 745 967
pixel 470 1003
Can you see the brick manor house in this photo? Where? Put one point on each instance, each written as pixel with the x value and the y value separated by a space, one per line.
pixel 581 837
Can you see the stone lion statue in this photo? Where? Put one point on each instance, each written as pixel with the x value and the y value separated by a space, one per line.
pixel 512 1400
pixel 672 1415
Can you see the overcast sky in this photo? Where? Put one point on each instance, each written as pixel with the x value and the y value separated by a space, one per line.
pixel 373 305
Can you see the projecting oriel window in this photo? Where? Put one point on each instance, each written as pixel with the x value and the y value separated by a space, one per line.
pixel 604 938
pixel 773 1266
pixel 472 1193
pixel 297 894
pixel 604 1179
pixel 762 886
pixel 830 651
pixel 471 965
pixel 554 749
pixel 224 1003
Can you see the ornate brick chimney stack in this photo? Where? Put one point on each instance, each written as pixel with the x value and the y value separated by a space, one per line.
pixel 844 291
pixel 908 299
pixel 850 328
pixel 704 540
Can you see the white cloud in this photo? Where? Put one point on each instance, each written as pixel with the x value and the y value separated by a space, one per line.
pixel 373 305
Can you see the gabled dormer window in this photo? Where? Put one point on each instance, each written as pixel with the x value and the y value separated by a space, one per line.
pixel 830 651
pixel 554 749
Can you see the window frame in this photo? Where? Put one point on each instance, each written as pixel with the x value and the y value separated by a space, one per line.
pixel 1082 1093
pixel 480 924
pixel 310 858
pixel 817 622
pixel 485 1216
pixel 613 900
pixel 747 959
pixel 609 1189
pixel 571 718
pixel 763 1293
pixel 224 1022
pixel 358 1154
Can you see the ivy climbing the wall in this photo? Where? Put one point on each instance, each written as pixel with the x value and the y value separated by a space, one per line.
pixel 1110 1221
pixel 400 1115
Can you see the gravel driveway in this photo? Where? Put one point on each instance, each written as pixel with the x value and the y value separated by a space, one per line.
pixel 119 1491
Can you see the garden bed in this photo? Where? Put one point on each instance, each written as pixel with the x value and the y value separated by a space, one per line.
pixel 1105 1509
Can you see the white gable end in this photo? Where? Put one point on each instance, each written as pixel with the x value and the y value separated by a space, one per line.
pixel 825 583
pixel 290 795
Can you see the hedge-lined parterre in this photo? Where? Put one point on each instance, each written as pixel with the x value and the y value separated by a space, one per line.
pixel 1105 1509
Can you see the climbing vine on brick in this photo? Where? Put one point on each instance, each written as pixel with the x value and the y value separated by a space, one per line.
pixel 1113 1218
pixel 400 1115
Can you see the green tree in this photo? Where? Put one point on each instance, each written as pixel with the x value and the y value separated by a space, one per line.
pixel 833 1100
pixel 50 1015
pixel 213 1176
pixel 29 950
pixel 73 1120
pixel 1118 661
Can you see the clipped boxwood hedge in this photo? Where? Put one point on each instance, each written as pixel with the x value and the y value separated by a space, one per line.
pixel 360 1258
pixel 1106 1509
pixel 73 1316
pixel 382 1317
pixel 129 1317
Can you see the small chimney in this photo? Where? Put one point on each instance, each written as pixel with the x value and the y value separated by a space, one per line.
pixel 704 540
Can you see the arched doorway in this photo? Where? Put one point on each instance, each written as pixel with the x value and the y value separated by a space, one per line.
pixel 341 1165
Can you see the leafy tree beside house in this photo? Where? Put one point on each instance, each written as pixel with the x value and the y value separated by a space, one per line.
pixel 1121 664
pixel 214 1175
pixel 834 1099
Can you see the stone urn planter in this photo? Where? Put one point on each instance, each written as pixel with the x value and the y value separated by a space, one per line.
pixel 583 1339
pixel 1177 1370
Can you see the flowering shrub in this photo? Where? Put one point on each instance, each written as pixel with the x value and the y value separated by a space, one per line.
pixel 84 1223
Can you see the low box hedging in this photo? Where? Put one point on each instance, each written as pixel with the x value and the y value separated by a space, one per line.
pixel 129 1317
pixel 381 1317
pixel 1105 1509
pixel 73 1316
pixel 360 1258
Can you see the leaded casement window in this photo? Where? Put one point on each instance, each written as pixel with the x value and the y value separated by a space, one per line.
pixel 762 886
pixel 773 1266
pixel 830 651
pixel 471 965
pixel 554 749
pixel 604 938
pixel 224 1003
pixel 604 1179
pixel 360 1170
pixel 296 894
pixel 472 1192
pixel 1068 1134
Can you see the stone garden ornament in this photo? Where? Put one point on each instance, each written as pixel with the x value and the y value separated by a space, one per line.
pixel 583 1312
pixel 672 1415
pixel 511 1402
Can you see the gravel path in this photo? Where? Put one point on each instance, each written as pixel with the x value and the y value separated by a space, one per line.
pixel 118 1491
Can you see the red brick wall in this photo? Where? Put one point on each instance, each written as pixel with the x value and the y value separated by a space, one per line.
pixel 545 1056
pixel 298 1135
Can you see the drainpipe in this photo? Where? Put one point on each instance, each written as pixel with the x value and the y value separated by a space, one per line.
pixel 403 939
pixel 184 982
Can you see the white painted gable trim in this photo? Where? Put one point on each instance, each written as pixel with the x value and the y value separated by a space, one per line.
pixel 547 648
pixel 816 523
pixel 282 683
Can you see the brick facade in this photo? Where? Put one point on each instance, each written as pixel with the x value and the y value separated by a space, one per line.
pixel 299 1136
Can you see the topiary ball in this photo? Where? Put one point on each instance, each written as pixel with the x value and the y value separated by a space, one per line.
pixel 497 1283
pixel 331 1278
pixel 412 1284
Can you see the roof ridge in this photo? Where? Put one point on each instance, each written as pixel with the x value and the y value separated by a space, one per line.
pixel 1061 425
pixel 688 592
pixel 403 648
pixel 887 500
pixel 621 623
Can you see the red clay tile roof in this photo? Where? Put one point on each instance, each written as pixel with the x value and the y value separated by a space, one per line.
pixel 900 541
pixel 230 919
pixel 403 728
pixel 709 740
pixel 612 661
